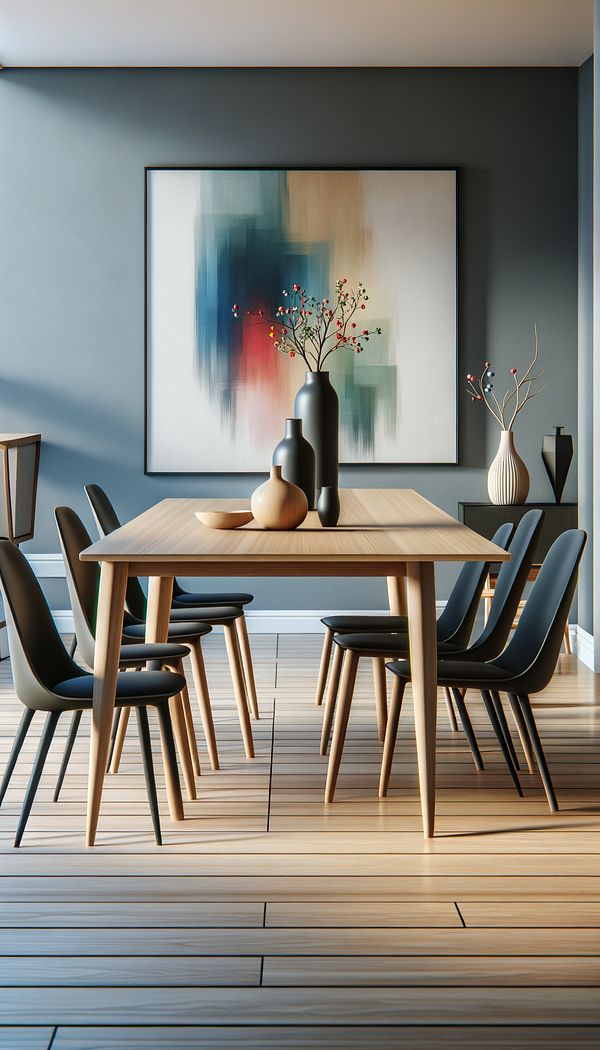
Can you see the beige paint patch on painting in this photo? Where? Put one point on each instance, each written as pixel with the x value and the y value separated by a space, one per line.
pixel 328 207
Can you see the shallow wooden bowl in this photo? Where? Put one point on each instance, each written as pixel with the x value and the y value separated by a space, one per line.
pixel 224 519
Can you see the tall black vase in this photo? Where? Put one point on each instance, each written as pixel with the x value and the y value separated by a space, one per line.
pixel 296 457
pixel 317 406
pixel 557 453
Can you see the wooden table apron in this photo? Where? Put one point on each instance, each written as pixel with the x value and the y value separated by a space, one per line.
pixel 125 555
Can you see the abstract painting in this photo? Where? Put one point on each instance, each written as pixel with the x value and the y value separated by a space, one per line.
pixel 217 392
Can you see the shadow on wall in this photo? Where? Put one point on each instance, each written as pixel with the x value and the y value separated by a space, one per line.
pixel 473 297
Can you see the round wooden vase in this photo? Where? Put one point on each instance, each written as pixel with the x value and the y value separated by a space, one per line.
pixel 277 504
pixel 508 477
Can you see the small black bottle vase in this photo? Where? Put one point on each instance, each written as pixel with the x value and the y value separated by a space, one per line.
pixel 557 453
pixel 296 457
pixel 317 406
pixel 328 505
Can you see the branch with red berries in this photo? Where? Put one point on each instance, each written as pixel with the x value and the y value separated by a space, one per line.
pixel 515 398
pixel 315 328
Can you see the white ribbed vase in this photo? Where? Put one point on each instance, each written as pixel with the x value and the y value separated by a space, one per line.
pixel 508 478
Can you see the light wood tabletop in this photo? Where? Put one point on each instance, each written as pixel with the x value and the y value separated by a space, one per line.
pixel 394 533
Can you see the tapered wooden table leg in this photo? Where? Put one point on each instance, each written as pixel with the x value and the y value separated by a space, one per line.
pixel 160 596
pixel 423 661
pixel 237 674
pixel 246 654
pixel 396 586
pixel 109 627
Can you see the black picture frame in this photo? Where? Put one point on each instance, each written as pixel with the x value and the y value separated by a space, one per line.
pixel 295 167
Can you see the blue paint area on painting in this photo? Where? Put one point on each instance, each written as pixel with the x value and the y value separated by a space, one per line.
pixel 243 256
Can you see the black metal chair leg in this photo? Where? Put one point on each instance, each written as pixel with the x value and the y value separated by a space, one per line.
pixel 15 750
pixel 40 758
pixel 505 728
pixel 538 750
pixel 496 726
pixel 113 736
pixel 75 720
pixel 73 646
pixel 468 728
pixel 146 744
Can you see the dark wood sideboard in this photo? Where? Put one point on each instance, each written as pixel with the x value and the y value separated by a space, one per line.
pixel 485 518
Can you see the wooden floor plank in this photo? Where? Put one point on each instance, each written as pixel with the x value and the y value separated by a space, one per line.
pixel 530 913
pixel 254 888
pixel 129 971
pixel 189 915
pixel 367 913
pixel 434 970
pixel 300 941
pixel 343 1037
pixel 25 1038
pixel 290 1006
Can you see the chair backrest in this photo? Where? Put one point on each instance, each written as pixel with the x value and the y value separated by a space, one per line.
pixel 83 579
pixel 38 657
pixel 535 646
pixel 509 587
pixel 107 521
pixel 456 621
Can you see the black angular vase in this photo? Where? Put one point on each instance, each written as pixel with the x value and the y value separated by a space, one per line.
pixel 328 505
pixel 296 457
pixel 317 406
pixel 557 453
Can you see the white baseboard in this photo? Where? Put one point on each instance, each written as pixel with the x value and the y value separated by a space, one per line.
pixel 582 643
pixel 264 621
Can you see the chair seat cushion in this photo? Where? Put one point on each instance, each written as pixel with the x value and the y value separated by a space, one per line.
pixel 459 673
pixel 228 598
pixel 131 686
pixel 166 652
pixel 178 632
pixel 210 614
pixel 359 624
pixel 388 644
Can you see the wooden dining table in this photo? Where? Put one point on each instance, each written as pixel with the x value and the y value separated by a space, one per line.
pixel 395 533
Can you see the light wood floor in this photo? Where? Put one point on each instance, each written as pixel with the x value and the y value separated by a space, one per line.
pixel 270 921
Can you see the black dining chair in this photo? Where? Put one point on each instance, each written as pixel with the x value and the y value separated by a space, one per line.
pixel 47 680
pixel 492 640
pixel 107 521
pixel 454 625
pixel 83 579
pixel 526 665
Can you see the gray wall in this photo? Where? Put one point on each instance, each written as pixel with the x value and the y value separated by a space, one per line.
pixel 585 613
pixel 74 144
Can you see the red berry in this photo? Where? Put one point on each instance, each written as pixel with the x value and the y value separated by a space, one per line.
pixel 513 371
pixel 353 324
pixel 292 353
